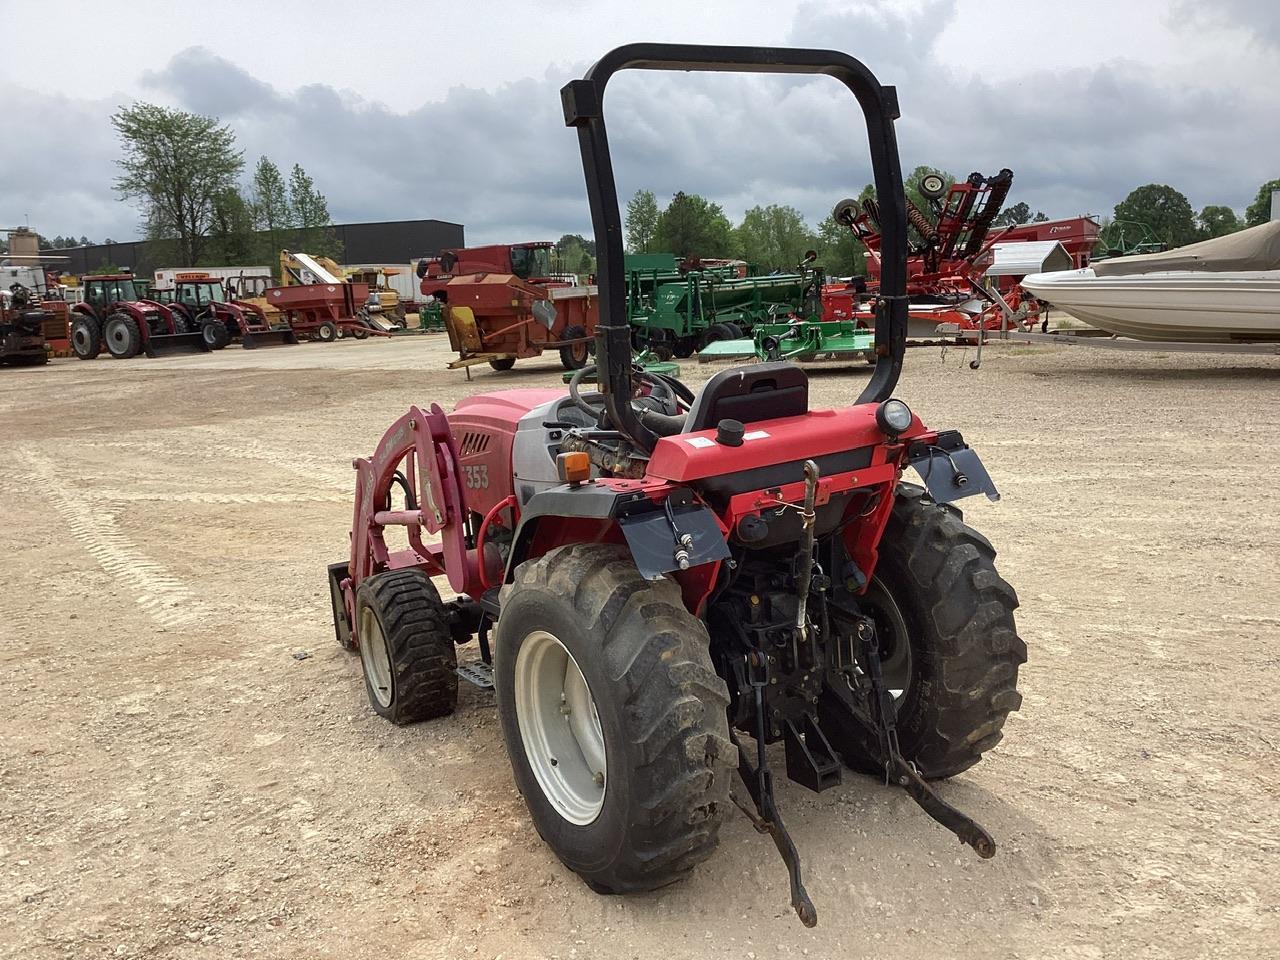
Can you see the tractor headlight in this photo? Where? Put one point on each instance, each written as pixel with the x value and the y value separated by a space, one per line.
pixel 893 417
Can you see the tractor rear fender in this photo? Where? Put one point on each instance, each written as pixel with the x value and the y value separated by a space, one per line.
pixel 651 519
pixel 84 310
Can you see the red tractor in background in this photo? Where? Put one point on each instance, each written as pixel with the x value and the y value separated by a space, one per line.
pixel 655 575
pixel 115 316
pixel 202 298
pixel 502 303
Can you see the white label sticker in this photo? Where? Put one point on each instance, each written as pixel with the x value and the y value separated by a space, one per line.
pixel 700 441
pixel 755 435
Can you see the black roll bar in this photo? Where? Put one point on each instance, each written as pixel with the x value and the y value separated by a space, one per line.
pixel 583 102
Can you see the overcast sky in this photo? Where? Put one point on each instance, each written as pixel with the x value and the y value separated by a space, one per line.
pixel 451 110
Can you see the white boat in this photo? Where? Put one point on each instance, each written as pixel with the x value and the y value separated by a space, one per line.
pixel 1225 290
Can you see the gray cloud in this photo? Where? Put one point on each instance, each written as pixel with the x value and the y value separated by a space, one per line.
pixel 502 162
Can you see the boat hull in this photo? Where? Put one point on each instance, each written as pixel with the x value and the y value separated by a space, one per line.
pixel 1185 306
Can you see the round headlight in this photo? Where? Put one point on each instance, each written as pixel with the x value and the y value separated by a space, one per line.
pixel 893 417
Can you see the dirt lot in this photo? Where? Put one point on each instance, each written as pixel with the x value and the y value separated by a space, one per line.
pixel 176 783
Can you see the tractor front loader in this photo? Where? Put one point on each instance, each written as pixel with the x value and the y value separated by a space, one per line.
pixel 664 584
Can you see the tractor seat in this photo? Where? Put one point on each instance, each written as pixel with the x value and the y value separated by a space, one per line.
pixel 761 391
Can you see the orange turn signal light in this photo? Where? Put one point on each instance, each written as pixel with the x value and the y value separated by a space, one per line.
pixel 574 468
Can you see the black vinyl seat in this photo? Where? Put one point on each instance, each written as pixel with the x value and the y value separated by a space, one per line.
pixel 760 391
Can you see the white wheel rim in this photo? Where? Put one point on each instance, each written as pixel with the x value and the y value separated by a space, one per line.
pixel 560 728
pixel 374 658
pixel 117 338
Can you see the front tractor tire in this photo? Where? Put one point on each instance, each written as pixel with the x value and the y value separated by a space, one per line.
pixel 949 649
pixel 215 333
pixel 613 718
pixel 406 649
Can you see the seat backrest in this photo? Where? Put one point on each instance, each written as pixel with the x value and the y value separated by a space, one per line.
pixel 761 391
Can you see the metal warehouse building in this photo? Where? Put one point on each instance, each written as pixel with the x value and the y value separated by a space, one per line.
pixel 394 241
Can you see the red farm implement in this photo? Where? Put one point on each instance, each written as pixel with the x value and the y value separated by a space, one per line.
pixel 502 304
pixel 324 311
pixel 115 316
pixel 952 252
pixel 663 583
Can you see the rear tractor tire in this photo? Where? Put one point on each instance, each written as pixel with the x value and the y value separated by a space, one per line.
pixel 613 718
pixel 124 339
pixel 406 648
pixel 948 645
pixel 86 337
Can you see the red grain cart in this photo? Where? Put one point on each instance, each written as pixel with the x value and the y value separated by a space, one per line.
pixel 324 311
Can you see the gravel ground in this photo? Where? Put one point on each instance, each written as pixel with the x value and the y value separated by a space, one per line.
pixel 189 767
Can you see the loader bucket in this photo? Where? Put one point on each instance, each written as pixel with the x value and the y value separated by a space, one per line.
pixel 168 343
pixel 275 337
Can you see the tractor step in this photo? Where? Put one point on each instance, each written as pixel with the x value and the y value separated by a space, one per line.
pixel 479 673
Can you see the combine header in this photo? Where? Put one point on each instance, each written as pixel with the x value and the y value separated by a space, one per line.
pixel 664 583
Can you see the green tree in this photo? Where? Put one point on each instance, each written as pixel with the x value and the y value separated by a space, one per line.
pixel 641 222
pixel 269 205
pixel 840 252
pixel 1039 217
pixel 1013 216
pixel 176 164
pixel 692 226
pixel 1260 210
pixel 1217 221
pixel 1166 211
pixel 575 254
pixel 774 237
pixel 231 236
pixel 309 214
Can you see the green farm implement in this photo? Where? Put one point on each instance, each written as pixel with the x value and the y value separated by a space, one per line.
pixel 679 316
pixel 799 340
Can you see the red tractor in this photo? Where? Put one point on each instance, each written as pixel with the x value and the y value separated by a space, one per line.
pixel 662 583
pixel 115 316
pixel 202 299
